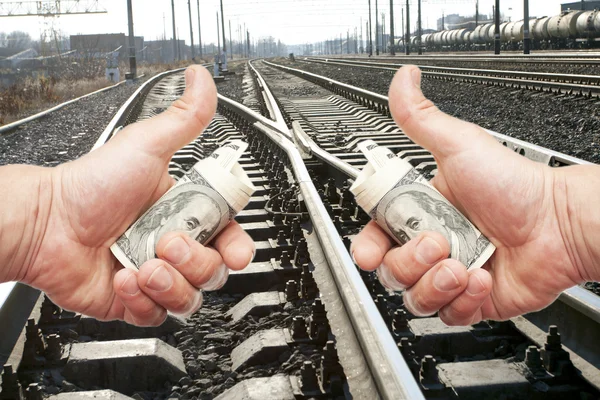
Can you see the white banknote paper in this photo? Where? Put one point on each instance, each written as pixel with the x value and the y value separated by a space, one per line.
pixel 200 205
pixel 404 204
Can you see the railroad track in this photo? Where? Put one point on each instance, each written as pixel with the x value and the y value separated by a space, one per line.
pixel 327 124
pixel 282 327
pixel 302 321
pixel 592 59
pixel 572 84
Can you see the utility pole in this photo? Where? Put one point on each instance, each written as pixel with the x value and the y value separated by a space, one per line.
pixel 476 13
pixel 230 45
pixel 348 41
pixel 497 27
pixel 174 32
pixel 132 63
pixel 383 33
pixel 369 25
pixel 402 31
pixel 361 35
pixel 419 30
pixel 218 40
pixel 224 44
pixel 376 27
pixel 392 44
pixel 178 46
pixel 199 30
pixel 248 41
pixel 407 40
pixel 341 44
pixel 191 30
pixel 526 35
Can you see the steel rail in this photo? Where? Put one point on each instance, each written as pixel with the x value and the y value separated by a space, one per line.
pixel 548 60
pixel 541 76
pixel 472 77
pixel 16 299
pixel 9 127
pixel 579 309
pixel 270 101
pixel 368 98
pixel 393 377
pixel 120 118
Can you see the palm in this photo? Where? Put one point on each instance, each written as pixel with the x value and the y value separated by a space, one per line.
pixel 98 205
pixel 503 195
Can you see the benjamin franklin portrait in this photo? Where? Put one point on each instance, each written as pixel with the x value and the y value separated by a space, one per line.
pixel 186 208
pixel 415 208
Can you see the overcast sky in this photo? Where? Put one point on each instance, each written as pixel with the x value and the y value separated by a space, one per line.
pixel 292 21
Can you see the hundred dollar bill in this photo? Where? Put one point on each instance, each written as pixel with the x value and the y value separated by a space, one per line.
pixel 200 205
pixel 404 204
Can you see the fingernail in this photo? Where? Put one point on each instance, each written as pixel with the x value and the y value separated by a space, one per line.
pixel 160 280
pixel 197 304
pixel 130 285
pixel 475 286
pixel 217 281
pixel 416 78
pixel 252 257
pixel 388 280
pixel 189 77
pixel 176 251
pixel 428 251
pixel 412 307
pixel 445 280
pixel 353 259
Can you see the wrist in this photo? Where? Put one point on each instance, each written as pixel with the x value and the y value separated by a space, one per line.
pixel 576 190
pixel 23 218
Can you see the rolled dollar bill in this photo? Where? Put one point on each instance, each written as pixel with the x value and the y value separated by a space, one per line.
pixel 404 204
pixel 200 205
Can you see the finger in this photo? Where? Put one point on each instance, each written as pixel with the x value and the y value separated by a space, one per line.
pixel 140 310
pixel 167 287
pixel 199 265
pixel 438 287
pixel 423 122
pixel 182 122
pixel 466 308
pixel 369 247
pixel 403 266
pixel 235 246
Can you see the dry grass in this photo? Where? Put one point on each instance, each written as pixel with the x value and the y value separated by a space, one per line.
pixel 30 95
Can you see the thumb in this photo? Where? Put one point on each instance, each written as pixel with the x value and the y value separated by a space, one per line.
pixel 182 122
pixel 423 122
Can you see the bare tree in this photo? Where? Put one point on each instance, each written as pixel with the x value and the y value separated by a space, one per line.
pixel 18 40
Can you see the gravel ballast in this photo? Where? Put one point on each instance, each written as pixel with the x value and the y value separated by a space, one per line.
pixel 65 134
pixel 562 123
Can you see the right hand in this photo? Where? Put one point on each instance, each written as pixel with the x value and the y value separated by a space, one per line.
pixel 520 205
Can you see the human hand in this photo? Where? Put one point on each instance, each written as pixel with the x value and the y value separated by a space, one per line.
pixel 94 200
pixel 523 207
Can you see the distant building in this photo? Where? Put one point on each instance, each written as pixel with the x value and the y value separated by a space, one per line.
pixel 100 44
pixel 163 51
pixel 581 5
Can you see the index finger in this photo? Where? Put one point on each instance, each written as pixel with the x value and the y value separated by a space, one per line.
pixel 370 246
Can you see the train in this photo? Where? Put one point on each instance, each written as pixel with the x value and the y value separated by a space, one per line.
pixel 568 30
